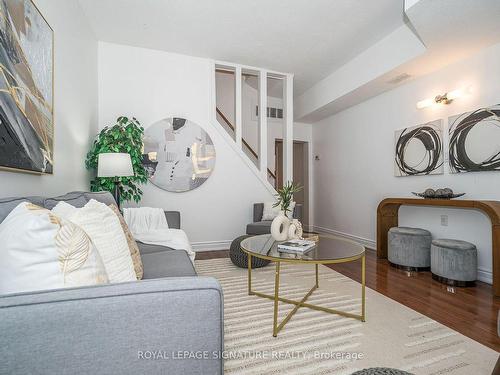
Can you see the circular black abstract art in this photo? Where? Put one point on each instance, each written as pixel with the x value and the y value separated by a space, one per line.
pixel 419 150
pixel 477 153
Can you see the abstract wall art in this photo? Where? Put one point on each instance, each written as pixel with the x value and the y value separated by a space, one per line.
pixel 419 150
pixel 475 141
pixel 26 88
pixel 178 154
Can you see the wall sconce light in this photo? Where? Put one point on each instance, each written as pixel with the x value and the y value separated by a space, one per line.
pixel 446 98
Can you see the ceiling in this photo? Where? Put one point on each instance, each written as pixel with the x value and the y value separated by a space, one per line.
pixel 446 30
pixel 341 52
pixel 308 38
pixel 452 30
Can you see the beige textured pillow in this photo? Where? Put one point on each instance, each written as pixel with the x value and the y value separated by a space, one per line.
pixel 105 231
pixel 132 245
pixel 41 250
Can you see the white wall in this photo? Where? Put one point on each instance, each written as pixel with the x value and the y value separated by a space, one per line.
pixel 355 171
pixel 152 85
pixel 225 93
pixel 75 104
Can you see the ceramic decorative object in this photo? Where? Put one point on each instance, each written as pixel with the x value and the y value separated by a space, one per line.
pixel 295 230
pixel 445 193
pixel 283 228
pixel 280 227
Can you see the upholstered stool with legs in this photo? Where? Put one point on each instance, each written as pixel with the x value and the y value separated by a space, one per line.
pixel 454 262
pixel 409 248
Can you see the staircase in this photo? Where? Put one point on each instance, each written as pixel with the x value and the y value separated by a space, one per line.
pixel 249 151
pixel 239 93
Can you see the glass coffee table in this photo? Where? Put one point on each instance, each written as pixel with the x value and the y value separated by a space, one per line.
pixel 329 250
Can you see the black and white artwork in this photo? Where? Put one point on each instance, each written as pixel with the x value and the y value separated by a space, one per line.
pixel 475 141
pixel 419 150
pixel 178 154
pixel 26 88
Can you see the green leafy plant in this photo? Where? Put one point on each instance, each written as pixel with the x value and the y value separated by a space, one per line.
pixel 125 136
pixel 285 196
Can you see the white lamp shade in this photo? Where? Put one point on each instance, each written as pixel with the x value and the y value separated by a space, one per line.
pixel 114 164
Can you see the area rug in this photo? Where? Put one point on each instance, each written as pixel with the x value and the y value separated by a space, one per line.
pixel 315 342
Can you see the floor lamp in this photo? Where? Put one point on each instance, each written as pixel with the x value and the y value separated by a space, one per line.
pixel 115 165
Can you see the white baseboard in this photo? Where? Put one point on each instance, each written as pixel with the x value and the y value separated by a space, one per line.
pixel 483 275
pixel 364 241
pixel 211 245
pixel 308 228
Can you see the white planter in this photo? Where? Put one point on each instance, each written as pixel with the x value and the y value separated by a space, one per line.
pixel 280 227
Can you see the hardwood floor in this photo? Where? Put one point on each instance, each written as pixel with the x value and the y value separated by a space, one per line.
pixel 212 254
pixel 470 311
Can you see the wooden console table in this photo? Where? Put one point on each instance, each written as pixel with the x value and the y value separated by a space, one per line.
pixel 387 217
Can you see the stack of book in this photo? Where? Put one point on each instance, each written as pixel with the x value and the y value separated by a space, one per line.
pixel 296 246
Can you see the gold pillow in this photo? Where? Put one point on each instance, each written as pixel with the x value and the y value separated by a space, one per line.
pixel 132 245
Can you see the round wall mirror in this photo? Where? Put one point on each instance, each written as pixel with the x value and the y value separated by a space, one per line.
pixel 178 154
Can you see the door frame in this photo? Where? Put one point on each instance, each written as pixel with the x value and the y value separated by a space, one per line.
pixel 307 152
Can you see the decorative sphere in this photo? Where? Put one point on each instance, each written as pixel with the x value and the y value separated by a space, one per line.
pixel 429 192
pixel 440 193
pixel 448 192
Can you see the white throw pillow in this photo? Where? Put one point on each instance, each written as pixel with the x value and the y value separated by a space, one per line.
pixel 271 212
pixel 105 231
pixel 41 250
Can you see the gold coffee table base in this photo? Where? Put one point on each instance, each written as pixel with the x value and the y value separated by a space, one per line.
pixel 302 303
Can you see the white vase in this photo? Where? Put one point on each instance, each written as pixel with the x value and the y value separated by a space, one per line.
pixel 280 226
pixel 295 230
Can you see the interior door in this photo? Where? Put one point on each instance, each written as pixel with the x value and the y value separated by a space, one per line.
pixel 300 173
pixel 278 153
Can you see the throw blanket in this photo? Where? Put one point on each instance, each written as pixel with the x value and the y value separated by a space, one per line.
pixel 149 225
pixel 145 219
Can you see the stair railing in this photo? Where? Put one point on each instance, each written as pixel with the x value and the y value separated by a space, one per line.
pixel 244 142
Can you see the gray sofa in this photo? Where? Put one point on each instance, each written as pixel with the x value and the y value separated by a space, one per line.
pixel 127 328
pixel 260 226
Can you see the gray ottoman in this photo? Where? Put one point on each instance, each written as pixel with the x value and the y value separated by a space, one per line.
pixel 454 262
pixel 381 371
pixel 409 248
pixel 240 258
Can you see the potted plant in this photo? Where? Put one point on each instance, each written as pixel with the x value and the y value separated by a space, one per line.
pixel 285 196
pixel 125 136
pixel 280 227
